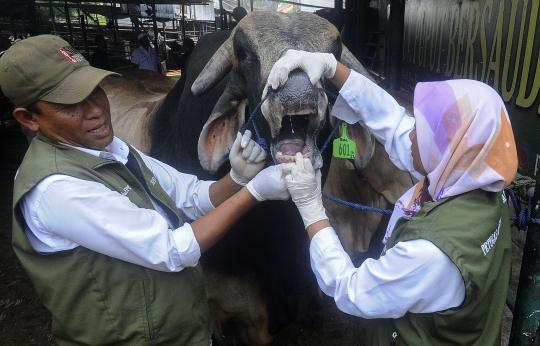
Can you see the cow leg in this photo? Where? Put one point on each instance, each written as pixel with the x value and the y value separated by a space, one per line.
pixel 375 243
pixel 238 310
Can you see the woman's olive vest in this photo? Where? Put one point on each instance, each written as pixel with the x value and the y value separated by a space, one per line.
pixel 473 230
pixel 96 299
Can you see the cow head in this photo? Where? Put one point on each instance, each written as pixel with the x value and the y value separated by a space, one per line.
pixel 292 116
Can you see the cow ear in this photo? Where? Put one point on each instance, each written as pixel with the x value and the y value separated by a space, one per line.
pixel 365 144
pixel 219 132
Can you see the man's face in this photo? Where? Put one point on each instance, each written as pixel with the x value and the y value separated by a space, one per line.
pixel 417 161
pixel 101 43
pixel 145 42
pixel 85 124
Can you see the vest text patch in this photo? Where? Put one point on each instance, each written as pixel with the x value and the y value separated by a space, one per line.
pixel 126 190
pixel 490 243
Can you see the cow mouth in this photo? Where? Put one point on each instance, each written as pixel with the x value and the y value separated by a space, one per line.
pixel 295 136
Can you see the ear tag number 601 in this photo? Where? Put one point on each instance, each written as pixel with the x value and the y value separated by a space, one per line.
pixel 344 148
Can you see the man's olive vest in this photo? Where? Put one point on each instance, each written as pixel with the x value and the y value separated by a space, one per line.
pixel 96 299
pixel 473 230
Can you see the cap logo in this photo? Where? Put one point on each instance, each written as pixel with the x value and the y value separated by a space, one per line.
pixel 71 54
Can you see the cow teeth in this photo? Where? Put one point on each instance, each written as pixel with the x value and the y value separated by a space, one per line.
pixel 290 158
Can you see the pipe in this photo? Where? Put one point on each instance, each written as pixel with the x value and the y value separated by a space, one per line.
pixel 154 27
pixel 526 321
pixel 396 24
pixel 183 23
pixel 51 11
pixel 85 38
pixel 68 20
pixel 221 15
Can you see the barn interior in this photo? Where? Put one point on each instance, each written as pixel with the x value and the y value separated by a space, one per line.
pixel 367 28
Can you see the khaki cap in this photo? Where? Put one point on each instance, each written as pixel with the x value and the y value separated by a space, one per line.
pixel 47 68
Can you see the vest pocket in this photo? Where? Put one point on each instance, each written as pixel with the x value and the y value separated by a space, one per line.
pixel 146 296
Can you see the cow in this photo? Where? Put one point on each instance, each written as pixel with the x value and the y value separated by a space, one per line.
pixel 369 183
pixel 256 274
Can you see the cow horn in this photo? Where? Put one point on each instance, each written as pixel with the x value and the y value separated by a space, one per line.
pixel 349 60
pixel 216 68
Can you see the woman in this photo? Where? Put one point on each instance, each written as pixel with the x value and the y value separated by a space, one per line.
pixel 443 275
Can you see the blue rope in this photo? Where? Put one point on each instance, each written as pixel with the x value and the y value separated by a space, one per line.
pixel 330 137
pixel 358 206
pixel 523 217
pixel 260 140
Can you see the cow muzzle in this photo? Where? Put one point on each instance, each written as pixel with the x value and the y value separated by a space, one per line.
pixel 296 113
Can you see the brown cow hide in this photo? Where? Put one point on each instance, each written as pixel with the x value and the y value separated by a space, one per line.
pixel 379 185
pixel 134 98
pixel 372 181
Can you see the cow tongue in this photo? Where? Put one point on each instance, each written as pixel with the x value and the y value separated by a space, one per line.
pixel 291 146
pixel 290 149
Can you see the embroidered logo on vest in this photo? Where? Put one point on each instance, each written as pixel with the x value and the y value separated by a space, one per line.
pixel 492 240
pixel 126 190
pixel 153 181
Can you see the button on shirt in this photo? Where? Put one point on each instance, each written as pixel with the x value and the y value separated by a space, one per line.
pixel 147 60
pixel 63 212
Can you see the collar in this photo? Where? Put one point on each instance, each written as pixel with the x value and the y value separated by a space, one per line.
pixel 118 148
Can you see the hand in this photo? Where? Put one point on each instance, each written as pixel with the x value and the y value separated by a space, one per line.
pixel 304 185
pixel 316 65
pixel 269 184
pixel 247 158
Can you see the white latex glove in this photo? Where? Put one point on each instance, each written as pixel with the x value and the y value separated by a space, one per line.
pixel 247 158
pixel 316 65
pixel 269 184
pixel 304 184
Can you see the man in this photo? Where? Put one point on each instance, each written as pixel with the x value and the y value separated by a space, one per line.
pixel 144 57
pixel 100 57
pixel 187 48
pixel 98 225
pixel 237 13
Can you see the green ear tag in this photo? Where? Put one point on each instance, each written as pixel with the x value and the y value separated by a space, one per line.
pixel 344 148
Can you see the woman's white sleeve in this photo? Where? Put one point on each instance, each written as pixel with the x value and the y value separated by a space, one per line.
pixel 413 276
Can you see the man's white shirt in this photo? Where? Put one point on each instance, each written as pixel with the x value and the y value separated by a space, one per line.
pixel 63 212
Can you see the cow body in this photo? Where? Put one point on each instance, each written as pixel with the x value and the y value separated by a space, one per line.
pixel 256 274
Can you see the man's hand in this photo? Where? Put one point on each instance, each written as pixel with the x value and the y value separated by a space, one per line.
pixel 304 185
pixel 247 159
pixel 269 184
pixel 316 65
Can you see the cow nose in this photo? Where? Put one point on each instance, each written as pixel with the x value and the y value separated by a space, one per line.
pixel 297 89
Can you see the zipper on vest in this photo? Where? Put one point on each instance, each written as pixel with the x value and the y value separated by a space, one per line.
pixel 394 337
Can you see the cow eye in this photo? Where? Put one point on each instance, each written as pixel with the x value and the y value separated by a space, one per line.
pixel 241 54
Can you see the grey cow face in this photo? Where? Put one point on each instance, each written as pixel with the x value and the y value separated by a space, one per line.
pixel 292 116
